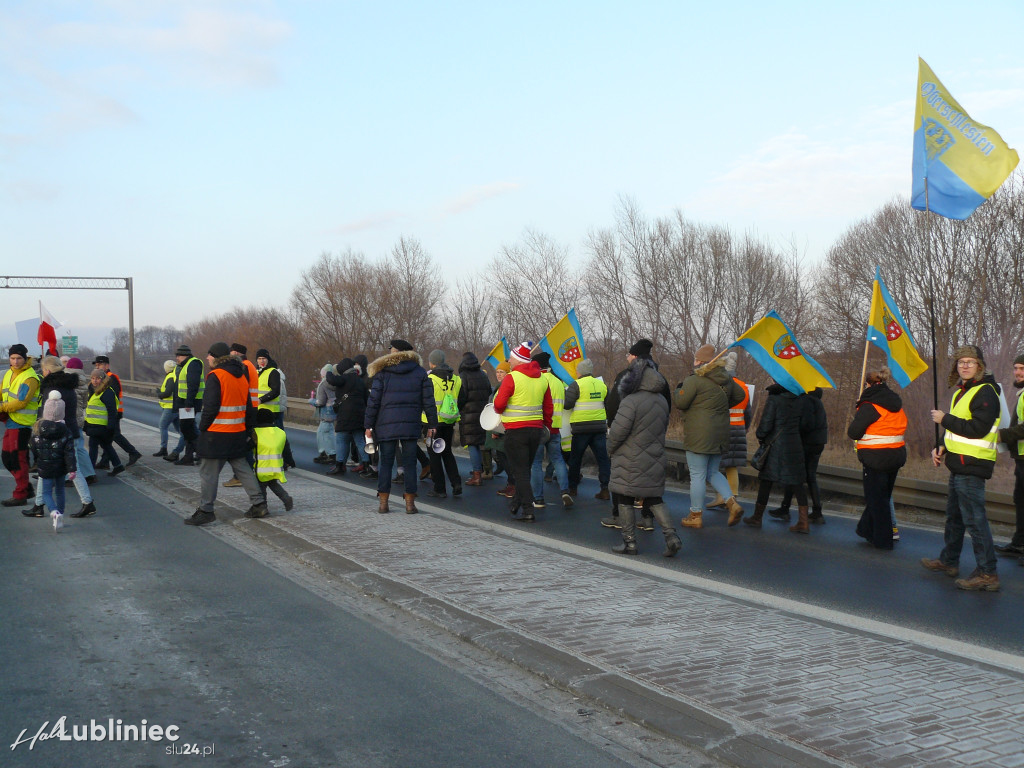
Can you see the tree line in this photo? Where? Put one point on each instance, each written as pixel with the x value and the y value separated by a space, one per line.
pixel 678 282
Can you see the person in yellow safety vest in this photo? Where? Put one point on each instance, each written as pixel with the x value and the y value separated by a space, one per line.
pixel 103 363
pixel 585 397
pixel 100 418
pixel 553 445
pixel 271 396
pixel 189 395
pixel 270 441
pixel 446 383
pixel 969 452
pixel 19 408
pixel 524 402
pixel 879 427
pixel 1013 436
pixel 168 415
pixel 224 434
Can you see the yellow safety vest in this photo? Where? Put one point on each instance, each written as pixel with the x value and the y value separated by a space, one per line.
pixel 590 405
pixel 182 376
pixel 557 398
pixel 527 401
pixel 26 416
pixel 167 402
pixel 270 454
pixel 96 410
pixel 1020 420
pixel 442 386
pixel 980 448
pixel 274 406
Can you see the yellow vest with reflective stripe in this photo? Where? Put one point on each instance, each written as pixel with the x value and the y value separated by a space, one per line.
pixel 527 401
pixel 270 454
pixel 980 448
pixel 182 375
pixel 590 405
pixel 1020 420
pixel 441 386
pixel 26 416
pixel 557 398
pixel 274 406
pixel 96 410
pixel 167 402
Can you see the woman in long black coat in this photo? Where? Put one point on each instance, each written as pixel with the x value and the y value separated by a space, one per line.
pixel 781 424
pixel 474 394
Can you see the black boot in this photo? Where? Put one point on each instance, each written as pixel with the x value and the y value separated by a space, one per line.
pixel 672 543
pixel 627 518
pixel 162 451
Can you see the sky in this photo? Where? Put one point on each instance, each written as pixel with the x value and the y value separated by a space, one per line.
pixel 213 150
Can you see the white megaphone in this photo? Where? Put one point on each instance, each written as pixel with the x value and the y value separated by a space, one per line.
pixel 436 445
pixel 371 446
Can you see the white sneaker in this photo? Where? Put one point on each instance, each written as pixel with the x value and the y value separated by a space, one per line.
pixel 58 520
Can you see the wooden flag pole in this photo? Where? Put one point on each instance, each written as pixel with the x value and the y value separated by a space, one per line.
pixel 931 304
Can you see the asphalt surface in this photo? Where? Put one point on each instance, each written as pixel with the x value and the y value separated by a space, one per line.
pixel 830 568
pixel 131 615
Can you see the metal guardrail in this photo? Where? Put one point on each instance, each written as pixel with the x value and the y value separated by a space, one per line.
pixel 840 481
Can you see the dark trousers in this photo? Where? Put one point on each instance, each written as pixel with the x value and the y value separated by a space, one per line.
pixel 764 490
pixel 109 454
pixel 387 450
pixel 444 462
pixel 122 441
pixel 876 522
pixel 520 447
pixel 597 442
pixel 1018 502
pixel 812 454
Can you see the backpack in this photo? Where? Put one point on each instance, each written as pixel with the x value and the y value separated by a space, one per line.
pixel 448 413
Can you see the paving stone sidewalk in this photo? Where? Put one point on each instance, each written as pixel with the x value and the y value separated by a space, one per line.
pixel 750 684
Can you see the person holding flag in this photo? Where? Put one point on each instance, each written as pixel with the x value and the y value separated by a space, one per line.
pixel 1013 437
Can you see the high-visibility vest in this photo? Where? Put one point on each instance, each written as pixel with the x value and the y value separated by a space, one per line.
pixel 118 391
pixel 183 379
pixel 263 388
pixel 234 398
pixel 167 402
pixel 1020 420
pixel 557 398
pixel 254 378
pixel 527 401
pixel 442 386
pixel 270 454
pixel 980 448
pixel 96 409
pixel 27 415
pixel 887 432
pixel 590 405
pixel 736 412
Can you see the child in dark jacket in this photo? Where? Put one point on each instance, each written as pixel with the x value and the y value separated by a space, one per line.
pixel 55 456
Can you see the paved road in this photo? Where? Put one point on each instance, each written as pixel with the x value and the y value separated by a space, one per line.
pixel 132 615
pixel 830 568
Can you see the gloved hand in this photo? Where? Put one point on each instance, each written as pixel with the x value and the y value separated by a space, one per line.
pixel 72 475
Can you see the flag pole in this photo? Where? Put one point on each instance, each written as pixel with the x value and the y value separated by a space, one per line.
pixel 931 303
pixel 864 367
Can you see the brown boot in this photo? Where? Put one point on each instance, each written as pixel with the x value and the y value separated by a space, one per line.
pixel 410 503
pixel 735 510
pixel 801 522
pixel 694 520
pixel 754 521
pixel 382 498
pixel 603 494
pixel 475 478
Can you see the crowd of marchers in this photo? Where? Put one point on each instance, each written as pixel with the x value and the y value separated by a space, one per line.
pixel 531 427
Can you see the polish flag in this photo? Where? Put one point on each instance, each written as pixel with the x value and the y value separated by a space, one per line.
pixel 48 326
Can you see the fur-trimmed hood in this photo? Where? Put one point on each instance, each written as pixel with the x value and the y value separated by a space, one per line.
pixel 642 374
pixel 392 359
pixel 714 371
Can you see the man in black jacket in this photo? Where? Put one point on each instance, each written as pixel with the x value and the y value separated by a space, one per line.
pixel 1013 436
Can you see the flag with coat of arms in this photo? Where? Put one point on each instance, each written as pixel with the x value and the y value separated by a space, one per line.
pixel 770 342
pixel 564 343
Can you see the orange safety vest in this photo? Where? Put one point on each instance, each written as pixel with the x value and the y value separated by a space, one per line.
pixel 117 391
pixel 736 412
pixel 254 386
pixel 887 432
pixel 234 398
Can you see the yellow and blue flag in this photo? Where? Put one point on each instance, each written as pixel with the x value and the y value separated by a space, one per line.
pixel 770 342
pixel 888 331
pixel 499 354
pixel 564 343
pixel 964 162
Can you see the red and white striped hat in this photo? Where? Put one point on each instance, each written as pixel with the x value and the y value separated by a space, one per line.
pixel 521 354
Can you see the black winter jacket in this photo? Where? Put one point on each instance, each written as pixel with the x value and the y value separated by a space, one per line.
pixel 814 429
pixel 67 384
pixel 1015 431
pixel 109 400
pixel 54 448
pixel 882 459
pixel 349 401
pixel 783 414
pixel 473 396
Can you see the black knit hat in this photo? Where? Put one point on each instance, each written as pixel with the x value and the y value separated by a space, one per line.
pixel 401 345
pixel 642 348
pixel 220 349
pixel 262 353
pixel 184 349
pixel 1018 360
pixel 236 347
pixel 18 349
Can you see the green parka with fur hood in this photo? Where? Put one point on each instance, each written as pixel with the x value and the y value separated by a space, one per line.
pixel 705 397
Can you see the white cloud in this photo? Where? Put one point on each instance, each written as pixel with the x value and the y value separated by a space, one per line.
pixel 475 196
pixel 379 220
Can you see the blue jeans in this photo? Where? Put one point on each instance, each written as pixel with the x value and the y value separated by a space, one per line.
pixel 554 450
pixel 387 460
pixel 342 443
pixel 326 440
pixel 703 469
pixel 85 467
pixel 476 458
pixel 598 444
pixel 169 416
pixel 53 493
pixel 965 510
